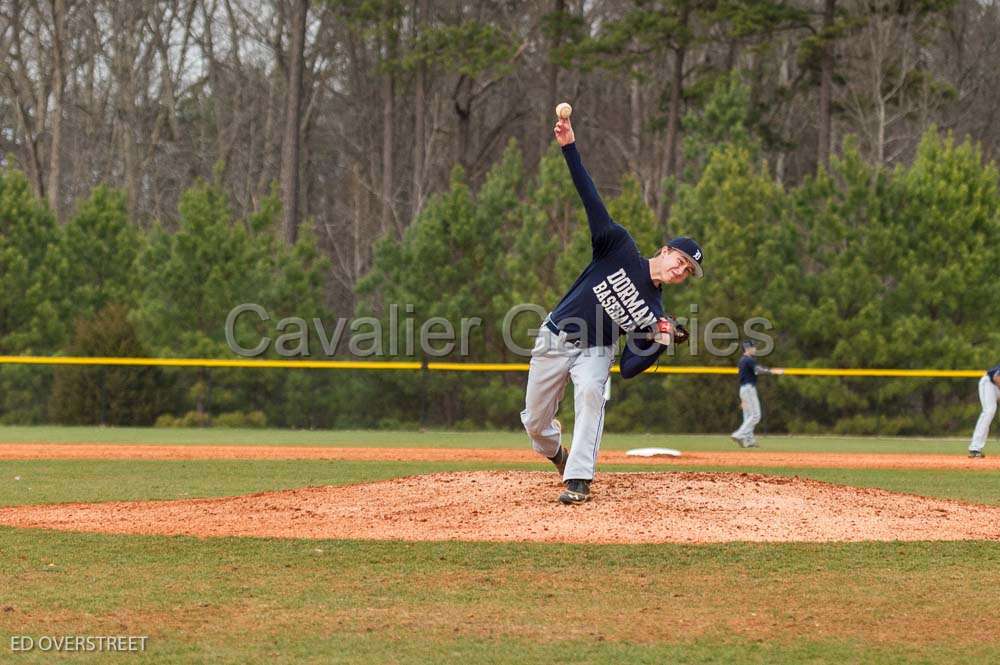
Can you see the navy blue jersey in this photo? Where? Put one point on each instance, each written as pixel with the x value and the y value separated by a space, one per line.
pixel 615 293
pixel 748 371
pixel 992 372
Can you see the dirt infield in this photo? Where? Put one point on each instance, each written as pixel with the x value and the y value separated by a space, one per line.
pixel 679 507
pixel 760 458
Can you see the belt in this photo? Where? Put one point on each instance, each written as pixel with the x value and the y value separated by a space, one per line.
pixel 572 339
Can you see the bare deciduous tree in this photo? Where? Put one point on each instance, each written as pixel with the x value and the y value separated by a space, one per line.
pixel 887 84
pixel 290 144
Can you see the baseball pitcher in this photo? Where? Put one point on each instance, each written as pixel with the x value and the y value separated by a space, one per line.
pixel 619 292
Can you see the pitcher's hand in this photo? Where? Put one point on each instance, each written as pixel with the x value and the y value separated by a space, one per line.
pixel 564 132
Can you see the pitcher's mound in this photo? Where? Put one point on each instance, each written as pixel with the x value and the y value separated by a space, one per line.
pixel 521 506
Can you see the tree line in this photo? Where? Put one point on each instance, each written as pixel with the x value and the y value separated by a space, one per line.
pixel 358 109
pixel 858 266
pixel 166 161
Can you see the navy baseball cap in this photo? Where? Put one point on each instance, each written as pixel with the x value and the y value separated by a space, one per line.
pixel 749 344
pixel 691 250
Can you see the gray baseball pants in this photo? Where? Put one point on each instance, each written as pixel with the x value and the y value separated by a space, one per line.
pixel 554 360
pixel 751 413
pixel 988 396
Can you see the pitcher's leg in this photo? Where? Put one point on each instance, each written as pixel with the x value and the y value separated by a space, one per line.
pixel 547 375
pixel 589 371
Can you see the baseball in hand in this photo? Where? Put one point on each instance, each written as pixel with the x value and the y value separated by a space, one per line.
pixel 563 110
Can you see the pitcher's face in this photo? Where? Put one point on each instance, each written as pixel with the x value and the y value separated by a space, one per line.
pixel 675 267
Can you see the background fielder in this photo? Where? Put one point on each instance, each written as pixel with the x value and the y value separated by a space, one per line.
pixel 989 393
pixel 749 400
pixel 619 291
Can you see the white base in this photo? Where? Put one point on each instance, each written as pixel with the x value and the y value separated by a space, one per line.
pixel 651 452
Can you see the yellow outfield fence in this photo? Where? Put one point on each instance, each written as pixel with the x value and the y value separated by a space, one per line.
pixel 457 367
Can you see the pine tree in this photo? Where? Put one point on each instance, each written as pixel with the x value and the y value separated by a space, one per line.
pixel 96 254
pixel 194 277
pixel 451 263
pixel 32 320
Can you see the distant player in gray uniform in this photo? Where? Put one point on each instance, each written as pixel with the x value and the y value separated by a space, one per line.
pixel 989 393
pixel 618 292
pixel 749 401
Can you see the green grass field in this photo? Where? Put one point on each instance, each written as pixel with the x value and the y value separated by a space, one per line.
pixel 255 600
pixel 438 439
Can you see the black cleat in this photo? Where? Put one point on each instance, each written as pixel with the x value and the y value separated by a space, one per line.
pixel 559 459
pixel 976 453
pixel 577 491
